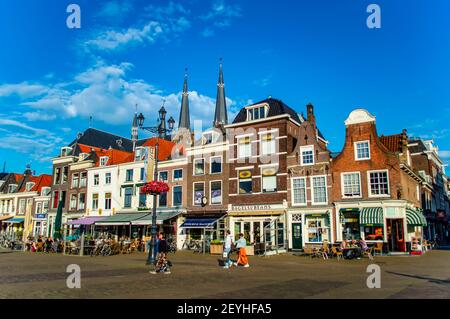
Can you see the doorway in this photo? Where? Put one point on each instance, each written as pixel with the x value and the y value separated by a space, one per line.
pixel 297 236
pixel 395 235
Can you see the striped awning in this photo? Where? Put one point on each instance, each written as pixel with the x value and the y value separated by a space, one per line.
pixel 415 218
pixel 371 216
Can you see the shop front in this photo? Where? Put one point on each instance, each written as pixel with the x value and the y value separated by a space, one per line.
pixel 416 221
pixel 309 227
pixel 39 225
pixel 4 225
pixel 197 231
pixel 15 227
pixel 263 226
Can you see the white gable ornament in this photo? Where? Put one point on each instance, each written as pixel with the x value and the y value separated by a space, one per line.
pixel 359 116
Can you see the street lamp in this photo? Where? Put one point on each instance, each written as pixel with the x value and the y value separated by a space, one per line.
pixel 162 131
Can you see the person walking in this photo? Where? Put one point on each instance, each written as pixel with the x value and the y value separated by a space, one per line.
pixel 162 264
pixel 241 243
pixel 227 249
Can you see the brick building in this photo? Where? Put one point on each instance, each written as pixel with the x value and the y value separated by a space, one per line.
pixel 310 217
pixel 375 191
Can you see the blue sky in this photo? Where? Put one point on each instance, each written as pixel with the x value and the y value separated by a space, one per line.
pixel 53 78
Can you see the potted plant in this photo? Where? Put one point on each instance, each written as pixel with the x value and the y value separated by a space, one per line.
pixel 216 247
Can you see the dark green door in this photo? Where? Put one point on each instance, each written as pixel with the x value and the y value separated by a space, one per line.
pixel 297 236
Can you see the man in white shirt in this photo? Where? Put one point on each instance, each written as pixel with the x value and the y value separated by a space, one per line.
pixel 227 248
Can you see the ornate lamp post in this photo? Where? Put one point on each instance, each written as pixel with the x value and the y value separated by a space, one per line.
pixel 161 131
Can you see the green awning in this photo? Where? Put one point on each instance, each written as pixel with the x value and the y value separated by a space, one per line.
pixel 160 218
pixel 371 216
pixel 121 219
pixel 415 218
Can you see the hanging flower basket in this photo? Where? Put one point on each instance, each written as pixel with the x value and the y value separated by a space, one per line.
pixel 155 188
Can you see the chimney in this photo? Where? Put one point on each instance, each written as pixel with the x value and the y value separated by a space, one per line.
pixel 310 114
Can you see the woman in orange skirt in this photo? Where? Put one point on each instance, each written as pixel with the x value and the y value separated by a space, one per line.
pixel 241 243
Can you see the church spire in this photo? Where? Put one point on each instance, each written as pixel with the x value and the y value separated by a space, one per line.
pixel 184 113
pixel 221 116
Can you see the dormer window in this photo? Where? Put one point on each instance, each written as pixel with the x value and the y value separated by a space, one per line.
pixel 257 112
pixel 45 191
pixel 82 156
pixel 209 138
pixel 103 160
pixel 65 151
pixel 139 154
pixel 29 186
pixel 12 188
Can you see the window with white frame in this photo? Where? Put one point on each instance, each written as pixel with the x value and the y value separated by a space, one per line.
pixel 268 146
pixel 75 179
pixel 139 154
pixel 94 201
pixel 107 200
pixel 216 192
pixel 81 200
pixel 244 147
pixel 96 179
pixel 142 174
pixel 38 208
pixel 12 188
pixel 245 182
pixel 378 183
pixel 319 189
pixel 83 180
pixel 256 113
pixel 351 185
pixel 108 178
pixel 29 186
pixel 216 165
pixel 178 174
pixel 129 175
pixel 199 166
pixel 163 176
pixel 177 196
pixel 103 160
pixel 73 201
pixel 199 192
pixel 269 179
pixel 362 150
pixel 299 191
pixel 307 155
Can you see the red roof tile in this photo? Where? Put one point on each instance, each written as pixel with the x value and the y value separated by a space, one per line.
pixel 40 181
pixel 392 142
pixel 164 147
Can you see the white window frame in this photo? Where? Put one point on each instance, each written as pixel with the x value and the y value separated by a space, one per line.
pixel 173 174
pixel 98 180
pixel 355 147
pixel 242 156
pixel 221 192
pixel 159 176
pixel 103 160
pixel 79 201
pixel 312 190
pixel 292 191
pixel 246 179
pixel 342 184
pixel 110 178
pixel 276 166
pixel 193 193
pixel 266 111
pixel 173 195
pixel 193 166
pixel 72 184
pixel 273 140
pixel 306 148
pixel 92 201
pixel 76 201
pixel 221 164
pixel 28 187
pixel 369 191
pixel 110 200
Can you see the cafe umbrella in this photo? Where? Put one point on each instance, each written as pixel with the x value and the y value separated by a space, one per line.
pixel 58 221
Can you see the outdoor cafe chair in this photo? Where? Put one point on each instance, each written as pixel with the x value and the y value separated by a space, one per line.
pixel 335 252
pixel 378 248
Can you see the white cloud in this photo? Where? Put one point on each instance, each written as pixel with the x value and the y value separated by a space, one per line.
pixel 111 40
pixel 107 93
pixel 115 10
pixel 23 89
pixel 221 9
pixel 264 81
pixel 17 124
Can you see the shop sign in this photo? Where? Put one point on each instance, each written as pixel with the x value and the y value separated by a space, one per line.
pixel 41 216
pixel 255 207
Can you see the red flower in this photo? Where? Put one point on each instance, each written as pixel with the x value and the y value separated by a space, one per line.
pixel 155 187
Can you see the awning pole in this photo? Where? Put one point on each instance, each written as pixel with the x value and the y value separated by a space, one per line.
pixel 204 240
pixel 82 242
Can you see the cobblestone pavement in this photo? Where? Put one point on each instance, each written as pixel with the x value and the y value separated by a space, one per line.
pixel 39 275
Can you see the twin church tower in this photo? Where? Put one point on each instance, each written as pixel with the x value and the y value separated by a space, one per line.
pixel 184 123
